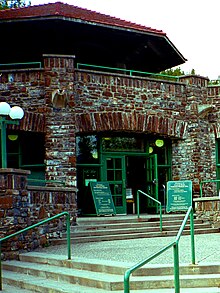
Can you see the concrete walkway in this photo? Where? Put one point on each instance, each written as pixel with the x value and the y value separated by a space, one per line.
pixel 133 251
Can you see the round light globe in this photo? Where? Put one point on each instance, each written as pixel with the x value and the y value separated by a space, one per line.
pixel 16 112
pixel 4 108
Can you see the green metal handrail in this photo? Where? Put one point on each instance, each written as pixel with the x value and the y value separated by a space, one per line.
pixel 130 71
pixel 34 226
pixel 157 201
pixel 175 245
pixel 206 181
pixel 45 181
pixel 21 64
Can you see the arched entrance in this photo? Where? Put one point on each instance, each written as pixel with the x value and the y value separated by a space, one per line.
pixel 129 163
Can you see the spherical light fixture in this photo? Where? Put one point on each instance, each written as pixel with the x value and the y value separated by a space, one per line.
pixel 151 150
pixel 159 143
pixel 4 108
pixel 16 113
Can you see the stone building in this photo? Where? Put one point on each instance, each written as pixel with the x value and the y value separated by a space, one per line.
pixel 97 109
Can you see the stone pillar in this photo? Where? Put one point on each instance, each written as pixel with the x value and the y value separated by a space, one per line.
pixel 60 119
pixel 194 157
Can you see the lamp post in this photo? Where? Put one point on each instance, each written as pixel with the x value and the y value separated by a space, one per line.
pixel 15 113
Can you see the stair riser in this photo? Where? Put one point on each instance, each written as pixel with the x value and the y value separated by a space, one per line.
pixel 188 270
pixel 113 220
pixel 83 281
pixel 151 271
pixel 128 225
pixel 42 289
pixel 124 237
pixel 131 231
pixel 75 265
pixel 26 286
pixel 134 285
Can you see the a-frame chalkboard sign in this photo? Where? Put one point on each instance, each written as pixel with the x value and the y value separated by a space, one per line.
pixel 102 198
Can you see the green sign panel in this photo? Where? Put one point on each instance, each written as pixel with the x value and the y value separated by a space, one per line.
pixel 179 195
pixel 102 198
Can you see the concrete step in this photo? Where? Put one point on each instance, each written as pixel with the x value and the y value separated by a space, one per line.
pixel 128 230
pixel 21 283
pixel 24 283
pixel 82 238
pixel 69 275
pixel 46 273
pixel 92 229
pixel 119 268
pixel 43 273
pixel 128 219
pixel 134 225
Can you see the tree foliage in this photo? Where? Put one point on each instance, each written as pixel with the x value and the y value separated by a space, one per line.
pixel 176 72
pixel 173 72
pixel 6 4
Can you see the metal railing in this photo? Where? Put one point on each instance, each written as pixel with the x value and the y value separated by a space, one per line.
pixel 22 65
pixel 128 71
pixel 150 197
pixel 175 245
pixel 43 182
pixel 34 226
pixel 206 181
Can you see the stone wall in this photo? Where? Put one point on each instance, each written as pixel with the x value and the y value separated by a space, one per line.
pixel 182 111
pixel 208 209
pixel 62 102
pixel 22 206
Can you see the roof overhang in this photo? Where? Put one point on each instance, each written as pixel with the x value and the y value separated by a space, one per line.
pixel 28 36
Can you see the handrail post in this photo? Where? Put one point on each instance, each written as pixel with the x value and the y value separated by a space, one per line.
pixel 138 204
pixel 161 225
pixel 176 267
pixel 68 235
pixel 126 282
pixel 200 188
pixel 192 236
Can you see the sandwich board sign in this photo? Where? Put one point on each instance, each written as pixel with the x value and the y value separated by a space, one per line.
pixel 102 198
pixel 179 195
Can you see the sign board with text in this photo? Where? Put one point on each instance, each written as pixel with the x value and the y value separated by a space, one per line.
pixel 102 198
pixel 179 195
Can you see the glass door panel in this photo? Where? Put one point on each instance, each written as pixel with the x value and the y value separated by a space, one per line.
pixel 152 181
pixel 114 173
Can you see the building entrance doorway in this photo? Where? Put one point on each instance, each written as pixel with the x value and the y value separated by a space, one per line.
pixel 128 165
pixel 126 175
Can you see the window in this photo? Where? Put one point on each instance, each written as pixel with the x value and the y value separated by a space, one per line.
pixel 25 150
pixel 87 149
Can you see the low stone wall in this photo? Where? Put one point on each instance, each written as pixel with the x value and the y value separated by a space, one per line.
pixel 208 209
pixel 22 206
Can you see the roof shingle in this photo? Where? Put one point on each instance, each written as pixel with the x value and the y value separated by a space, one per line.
pixel 66 10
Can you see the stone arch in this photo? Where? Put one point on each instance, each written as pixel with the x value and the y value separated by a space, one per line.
pixel 138 122
pixel 31 122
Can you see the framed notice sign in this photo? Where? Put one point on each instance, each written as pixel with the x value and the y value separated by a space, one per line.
pixel 102 198
pixel 179 195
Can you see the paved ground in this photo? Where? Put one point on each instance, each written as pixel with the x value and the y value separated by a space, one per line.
pixel 206 249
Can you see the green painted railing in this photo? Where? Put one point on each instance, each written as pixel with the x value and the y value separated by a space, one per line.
pixel 175 245
pixel 127 71
pixel 34 226
pixel 206 181
pixel 22 65
pixel 43 182
pixel 157 201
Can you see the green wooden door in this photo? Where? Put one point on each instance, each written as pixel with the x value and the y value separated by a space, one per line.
pixel 152 181
pixel 114 173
